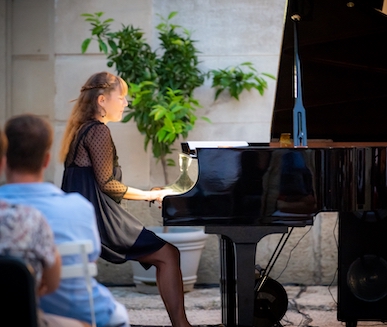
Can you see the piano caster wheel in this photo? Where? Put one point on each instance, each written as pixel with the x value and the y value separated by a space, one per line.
pixel 270 305
pixel 351 324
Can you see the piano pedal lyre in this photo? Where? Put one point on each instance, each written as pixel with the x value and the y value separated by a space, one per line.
pixel 271 299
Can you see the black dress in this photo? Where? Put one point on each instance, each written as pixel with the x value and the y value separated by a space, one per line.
pixel 92 169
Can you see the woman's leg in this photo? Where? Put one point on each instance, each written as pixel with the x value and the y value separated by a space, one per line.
pixel 169 282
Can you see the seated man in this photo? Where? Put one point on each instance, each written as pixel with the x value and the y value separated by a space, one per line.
pixel 26 234
pixel 70 216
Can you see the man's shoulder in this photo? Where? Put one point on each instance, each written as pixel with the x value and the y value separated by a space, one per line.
pixel 76 199
pixel 69 199
pixel 25 211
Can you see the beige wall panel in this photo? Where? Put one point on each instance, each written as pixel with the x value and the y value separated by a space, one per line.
pixel 3 62
pixel 133 159
pixel 329 250
pixel 250 132
pixel 71 29
pixel 297 260
pixel 229 27
pixel 57 166
pixel 209 265
pixel 31 26
pixel 309 257
pixel 32 85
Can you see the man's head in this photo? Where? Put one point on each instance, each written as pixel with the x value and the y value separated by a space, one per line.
pixel 29 142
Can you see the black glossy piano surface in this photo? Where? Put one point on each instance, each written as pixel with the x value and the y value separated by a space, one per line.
pixel 273 185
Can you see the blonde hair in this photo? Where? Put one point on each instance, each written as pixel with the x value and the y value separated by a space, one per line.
pixel 86 106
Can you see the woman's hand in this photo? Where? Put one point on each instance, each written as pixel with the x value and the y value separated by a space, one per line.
pixel 159 194
pixel 156 194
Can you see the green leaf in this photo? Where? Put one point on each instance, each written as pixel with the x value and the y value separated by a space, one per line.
pixel 171 163
pixel 206 119
pixel 159 114
pixel 160 26
pixel 85 45
pixel 102 46
pixel 134 87
pixel 269 75
pixel 92 20
pixel 136 101
pixel 109 20
pixel 97 30
pixel 217 93
pixel 172 14
pixel 169 125
pixel 128 117
pixel 177 42
pixel 112 45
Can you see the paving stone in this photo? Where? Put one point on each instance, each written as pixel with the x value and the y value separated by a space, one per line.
pixel 308 306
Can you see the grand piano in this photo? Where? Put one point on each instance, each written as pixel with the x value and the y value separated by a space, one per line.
pixel 247 192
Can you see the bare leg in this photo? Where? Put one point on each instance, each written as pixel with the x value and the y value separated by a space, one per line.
pixel 169 281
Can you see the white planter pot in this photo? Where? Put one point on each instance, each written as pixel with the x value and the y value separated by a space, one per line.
pixel 190 241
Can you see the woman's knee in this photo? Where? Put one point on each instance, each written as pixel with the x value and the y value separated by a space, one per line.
pixel 169 253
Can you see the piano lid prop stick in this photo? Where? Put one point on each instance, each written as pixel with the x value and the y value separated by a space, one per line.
pixel 299 120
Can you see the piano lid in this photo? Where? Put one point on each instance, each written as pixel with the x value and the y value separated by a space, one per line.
pixel 343 54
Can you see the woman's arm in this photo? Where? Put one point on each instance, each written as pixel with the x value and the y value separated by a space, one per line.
pixel 137 194
pixel 102 151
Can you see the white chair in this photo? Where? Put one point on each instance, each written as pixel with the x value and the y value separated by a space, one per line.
pixel 84 269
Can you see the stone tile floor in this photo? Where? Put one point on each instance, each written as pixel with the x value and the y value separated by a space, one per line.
pixel 307 307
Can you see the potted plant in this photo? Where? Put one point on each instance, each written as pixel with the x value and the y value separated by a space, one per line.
pixel 161 82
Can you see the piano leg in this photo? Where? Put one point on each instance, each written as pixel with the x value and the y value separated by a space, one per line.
pixel 237 260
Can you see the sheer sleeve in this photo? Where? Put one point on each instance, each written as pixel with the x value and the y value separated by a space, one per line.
pixel 102 152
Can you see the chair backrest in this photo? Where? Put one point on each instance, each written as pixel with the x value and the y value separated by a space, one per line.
pixel 18 293
pixel 84 269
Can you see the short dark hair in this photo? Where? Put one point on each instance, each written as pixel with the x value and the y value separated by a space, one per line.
pixel 29 139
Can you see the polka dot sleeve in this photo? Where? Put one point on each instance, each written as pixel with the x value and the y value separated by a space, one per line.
pixel 102 153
